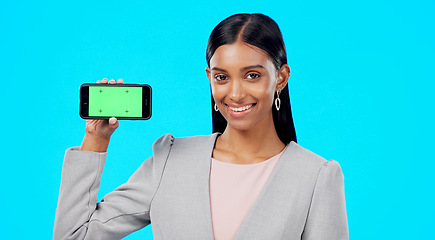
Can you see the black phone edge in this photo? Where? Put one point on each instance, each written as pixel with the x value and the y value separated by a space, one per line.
pixel 115 85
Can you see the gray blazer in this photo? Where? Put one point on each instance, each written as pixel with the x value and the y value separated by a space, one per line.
pixel 302 199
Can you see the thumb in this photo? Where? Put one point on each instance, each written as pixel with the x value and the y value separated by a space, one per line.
pixel 113 123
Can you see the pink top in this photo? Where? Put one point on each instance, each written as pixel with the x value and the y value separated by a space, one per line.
pixel 233 190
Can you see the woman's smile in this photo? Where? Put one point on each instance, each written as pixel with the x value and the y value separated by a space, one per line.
pixel 239 111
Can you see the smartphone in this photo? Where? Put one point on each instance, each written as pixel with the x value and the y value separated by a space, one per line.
pixel 123 101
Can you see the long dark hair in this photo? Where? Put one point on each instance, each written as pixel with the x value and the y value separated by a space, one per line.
pixel 261 31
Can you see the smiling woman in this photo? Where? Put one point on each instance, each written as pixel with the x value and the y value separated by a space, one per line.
pixel 262 35
pixel 243 80
pixel 248 180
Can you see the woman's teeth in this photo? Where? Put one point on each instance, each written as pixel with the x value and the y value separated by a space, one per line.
pixel 240 109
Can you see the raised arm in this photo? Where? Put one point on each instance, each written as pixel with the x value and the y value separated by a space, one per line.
pixel 120 212
pixel 78 215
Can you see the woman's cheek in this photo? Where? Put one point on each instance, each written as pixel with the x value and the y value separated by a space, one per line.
pixel 260 91
pixel 218 92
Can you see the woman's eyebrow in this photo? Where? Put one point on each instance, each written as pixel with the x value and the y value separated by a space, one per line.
pixel 219 69
pixel 252 66
pixel 242 70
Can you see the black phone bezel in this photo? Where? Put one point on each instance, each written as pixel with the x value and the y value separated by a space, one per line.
pixel 146 101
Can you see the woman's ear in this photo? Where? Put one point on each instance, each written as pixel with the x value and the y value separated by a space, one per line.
pixel 208 71
pixel 283 76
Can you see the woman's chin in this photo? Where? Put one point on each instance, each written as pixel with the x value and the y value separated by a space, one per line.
pixel 240 126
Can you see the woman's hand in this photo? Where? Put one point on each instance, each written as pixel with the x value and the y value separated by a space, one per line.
pixel 98 132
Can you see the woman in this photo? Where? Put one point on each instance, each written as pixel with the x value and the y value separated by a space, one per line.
pixel 248 180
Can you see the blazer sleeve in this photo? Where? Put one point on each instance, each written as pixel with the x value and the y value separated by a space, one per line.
pixel 327 219
pixel 126 209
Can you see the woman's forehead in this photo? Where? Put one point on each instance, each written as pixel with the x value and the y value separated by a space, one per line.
pixel 239 54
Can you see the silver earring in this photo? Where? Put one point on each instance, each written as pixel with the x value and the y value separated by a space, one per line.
pixel 216 107
pixel 277 100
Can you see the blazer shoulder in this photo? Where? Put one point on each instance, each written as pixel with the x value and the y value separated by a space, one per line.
pixel 164 140
pixel 312 160
pixel 168 144
pixel 162 146
pixel 196 140
pixel 306 155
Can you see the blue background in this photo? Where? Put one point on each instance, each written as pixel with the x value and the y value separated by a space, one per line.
pixel 361 87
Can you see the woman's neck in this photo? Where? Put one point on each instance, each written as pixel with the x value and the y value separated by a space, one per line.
pixel 250 146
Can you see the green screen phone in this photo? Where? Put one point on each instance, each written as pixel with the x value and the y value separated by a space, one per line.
pixel 123 101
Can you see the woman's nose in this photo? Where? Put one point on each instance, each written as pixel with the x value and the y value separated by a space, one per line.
pixel 237 91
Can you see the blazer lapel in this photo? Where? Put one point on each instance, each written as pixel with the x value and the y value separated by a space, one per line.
pixel 281 208
pixel 182 203
pixel 203 161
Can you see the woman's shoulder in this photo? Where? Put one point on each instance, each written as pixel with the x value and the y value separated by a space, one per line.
pixel 197 138
pixel 168 140
pixel 307 158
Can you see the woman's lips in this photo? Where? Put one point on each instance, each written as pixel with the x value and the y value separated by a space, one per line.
pixel 239 111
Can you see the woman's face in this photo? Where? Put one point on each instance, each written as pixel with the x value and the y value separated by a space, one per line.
pixel 243 82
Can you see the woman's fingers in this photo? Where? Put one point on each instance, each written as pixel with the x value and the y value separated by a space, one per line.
pixel 103 128
pixel 112 81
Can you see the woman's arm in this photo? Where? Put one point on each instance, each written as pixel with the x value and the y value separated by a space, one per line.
pixel 327 218
pixel 120 212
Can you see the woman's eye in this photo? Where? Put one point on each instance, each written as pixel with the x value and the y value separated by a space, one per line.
pixel 220 77
pixel 253 76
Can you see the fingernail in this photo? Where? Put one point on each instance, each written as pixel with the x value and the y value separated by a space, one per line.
pixel 112 121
